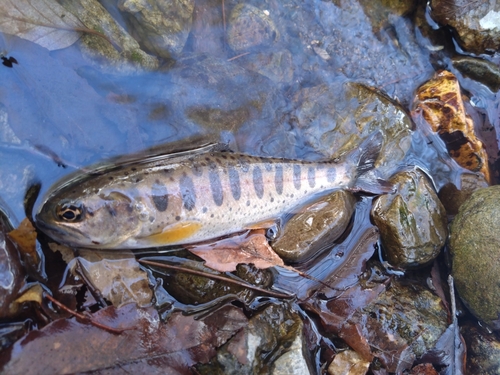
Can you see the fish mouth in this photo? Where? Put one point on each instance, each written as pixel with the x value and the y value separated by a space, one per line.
pixel 56 232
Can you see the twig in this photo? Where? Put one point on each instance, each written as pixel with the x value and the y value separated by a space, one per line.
pixel 81 316
pixel 238 56
pixel 216 277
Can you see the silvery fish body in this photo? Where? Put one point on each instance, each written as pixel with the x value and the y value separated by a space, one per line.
pixel 190 197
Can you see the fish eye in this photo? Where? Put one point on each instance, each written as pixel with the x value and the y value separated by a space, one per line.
pixel 70 212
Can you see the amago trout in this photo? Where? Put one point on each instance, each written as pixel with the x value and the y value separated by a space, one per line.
pixel 193 196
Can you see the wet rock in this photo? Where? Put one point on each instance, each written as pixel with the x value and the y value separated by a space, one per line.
pixel 195 290
pixel 483 350
pixel 412 221
pixel 452 197
pixel 316 228
pixel 475 248
pixel 439 103
pixel 161 26
pixel 403 323
pixel 270 344
pixel 475 22
pixel 480 70
pixel 249 27
pixel 348 362
pixel 335 119
pixel 125 55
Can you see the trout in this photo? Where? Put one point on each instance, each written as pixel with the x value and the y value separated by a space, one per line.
pixel 194 196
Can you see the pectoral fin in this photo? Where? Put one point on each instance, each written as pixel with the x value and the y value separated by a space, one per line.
pixel 174 234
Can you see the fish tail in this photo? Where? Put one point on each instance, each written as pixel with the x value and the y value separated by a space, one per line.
pixel 364 159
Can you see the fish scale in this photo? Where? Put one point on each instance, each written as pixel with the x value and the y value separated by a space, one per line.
pixel 197 196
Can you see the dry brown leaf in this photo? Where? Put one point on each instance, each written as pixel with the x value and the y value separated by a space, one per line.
pixel 44 22
pixel 25 238
pixel 226 254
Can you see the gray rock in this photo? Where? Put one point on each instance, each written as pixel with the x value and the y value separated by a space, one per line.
pixel 475 247
pixel 125 55
pixel 335 119
pixel 477 23
pixel 162 26
pixel 248 27
pixel 412 221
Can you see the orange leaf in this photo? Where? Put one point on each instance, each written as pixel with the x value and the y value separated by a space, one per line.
pixel 25 238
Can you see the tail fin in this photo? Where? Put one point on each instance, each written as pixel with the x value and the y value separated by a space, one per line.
pixel 365 180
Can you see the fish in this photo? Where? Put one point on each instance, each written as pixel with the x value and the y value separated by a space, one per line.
pixel 194 196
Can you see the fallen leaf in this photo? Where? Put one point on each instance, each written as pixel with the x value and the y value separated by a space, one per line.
pixel 146 346
pixel 24 238
pixel 44 22
pixel 225 255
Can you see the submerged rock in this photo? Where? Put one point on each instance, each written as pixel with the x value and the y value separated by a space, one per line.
pixel 453 197
pixel 316 228
pixel 335 119
pixel 162 26
pixel 125 54
pixel 248 27
pixel 475 22
pixel 412 221
pixel 475 248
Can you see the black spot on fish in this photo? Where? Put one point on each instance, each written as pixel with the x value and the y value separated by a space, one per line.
pixel 187 192
pixel 138 179
pixel 197 169
pixel 311 176
pixel 331 173
pixel 178 218
pixel 216 187
pixel 278 179
pixel 297 176
pixel 258 183
pixel 168 171
pixel 248 203
pixel 204 210
pixel 159 195
pixel 133 169
pixel 234 182
pixel 111 178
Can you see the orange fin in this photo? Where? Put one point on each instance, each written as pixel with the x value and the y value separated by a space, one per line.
pixel 174 234
pixel 261 224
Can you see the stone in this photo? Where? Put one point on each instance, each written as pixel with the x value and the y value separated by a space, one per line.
pixel 316 228
pixel 412 221
pixel 475 249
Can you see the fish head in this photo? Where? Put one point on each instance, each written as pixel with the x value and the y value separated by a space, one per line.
pixel 100 219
